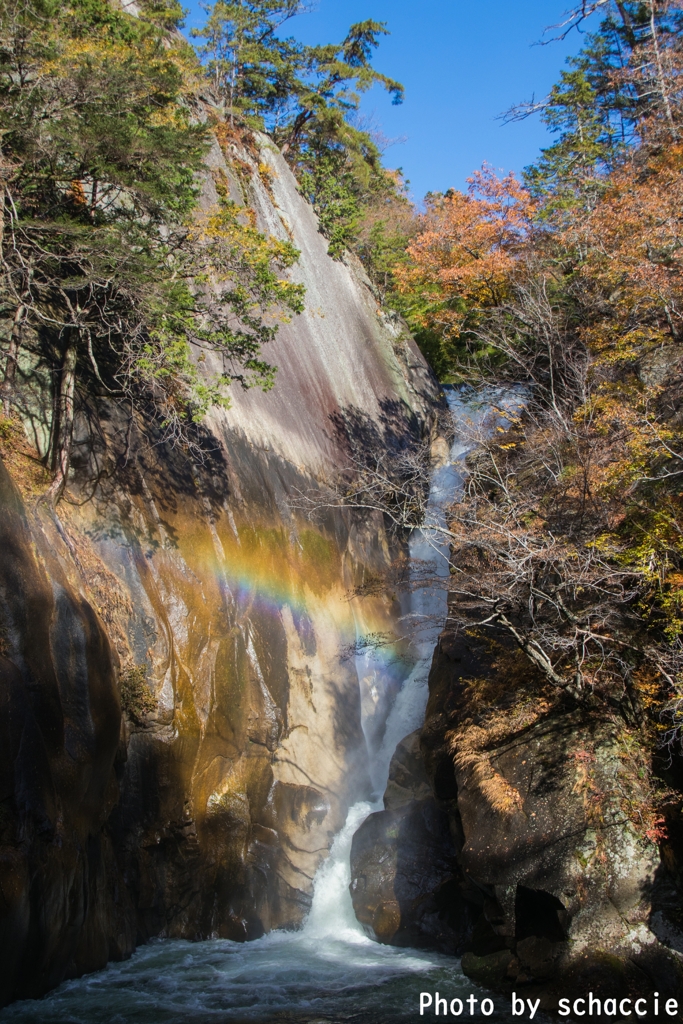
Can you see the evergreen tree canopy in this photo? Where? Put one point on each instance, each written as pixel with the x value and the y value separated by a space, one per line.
pixel 307 98
pixel 105 273
pixel 568 172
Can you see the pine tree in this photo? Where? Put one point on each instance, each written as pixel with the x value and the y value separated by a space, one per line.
pixel 307 98
pixel 569 173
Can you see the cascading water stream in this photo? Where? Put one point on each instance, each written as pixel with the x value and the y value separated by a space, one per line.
pixel 332 911
pixel 329 970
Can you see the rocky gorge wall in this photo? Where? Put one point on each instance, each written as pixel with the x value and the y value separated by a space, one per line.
pixel 192 594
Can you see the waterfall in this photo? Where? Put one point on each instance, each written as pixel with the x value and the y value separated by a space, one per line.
pixel 332 911
pixel 330 969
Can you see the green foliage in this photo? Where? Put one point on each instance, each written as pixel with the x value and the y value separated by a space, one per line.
pixel 569 173
pixel 281 84
pixel 616 85
pixel 137 700
pixel 99 192
pixel 307 98
pixel 339 165
pixel 383 242
pixel 243 269
pixel 167 14
pixel 252 68
pixel 343 180
pixel 332 190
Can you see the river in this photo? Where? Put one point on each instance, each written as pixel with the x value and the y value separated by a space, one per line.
pixel 330 970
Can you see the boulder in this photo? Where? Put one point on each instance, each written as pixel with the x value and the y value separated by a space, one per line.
pixel 405 881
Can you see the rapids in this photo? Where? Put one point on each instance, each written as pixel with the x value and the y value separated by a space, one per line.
pixel 329 970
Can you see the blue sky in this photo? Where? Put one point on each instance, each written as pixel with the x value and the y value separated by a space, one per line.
pixel 462 63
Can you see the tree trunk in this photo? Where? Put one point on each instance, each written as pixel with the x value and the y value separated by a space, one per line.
pixel 62 431
pixel 12 357
pixel 2 217
pixel 628 24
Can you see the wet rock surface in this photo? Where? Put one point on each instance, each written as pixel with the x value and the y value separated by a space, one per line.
pixel 405 880
pixel 63 905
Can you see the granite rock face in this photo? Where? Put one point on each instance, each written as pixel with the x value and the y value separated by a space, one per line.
pixel 209 814
pixel 554 887
pixel 60 717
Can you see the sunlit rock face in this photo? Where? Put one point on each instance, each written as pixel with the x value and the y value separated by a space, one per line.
pixel 209 815
pixel 343 364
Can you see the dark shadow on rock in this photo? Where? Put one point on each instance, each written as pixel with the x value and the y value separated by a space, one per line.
pixel 63 904
pixel 540 914
pixel 406 886
pixel 396 429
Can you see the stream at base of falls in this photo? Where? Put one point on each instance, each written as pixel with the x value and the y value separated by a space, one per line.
pixel 329 971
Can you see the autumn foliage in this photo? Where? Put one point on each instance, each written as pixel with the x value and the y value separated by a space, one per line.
pixel 629 249
pixel 567 287
pixel 467 248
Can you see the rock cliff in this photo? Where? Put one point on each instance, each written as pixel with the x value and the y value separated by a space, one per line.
pixel 190 593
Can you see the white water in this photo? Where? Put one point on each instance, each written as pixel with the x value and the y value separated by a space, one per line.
pixel 427 611
pixel 330 970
